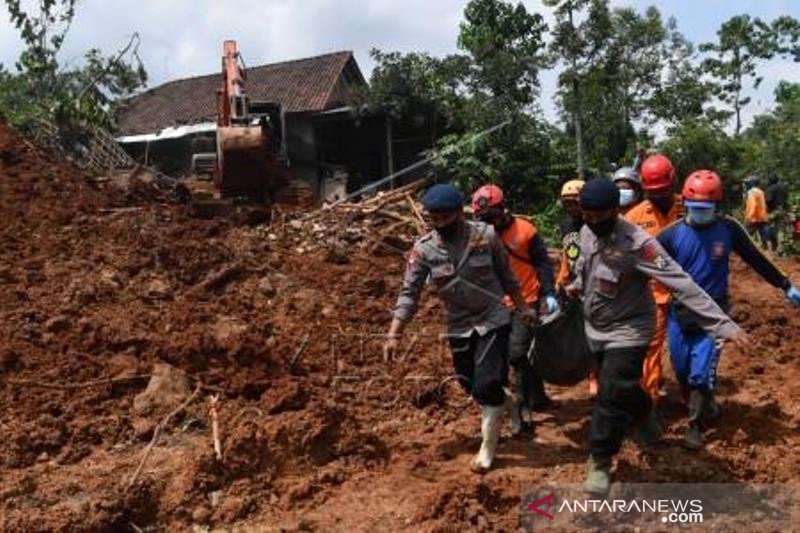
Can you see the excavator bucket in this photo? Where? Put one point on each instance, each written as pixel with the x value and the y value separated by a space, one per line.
pixel 247 166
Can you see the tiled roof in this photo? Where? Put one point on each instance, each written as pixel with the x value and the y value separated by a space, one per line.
pixel 299 86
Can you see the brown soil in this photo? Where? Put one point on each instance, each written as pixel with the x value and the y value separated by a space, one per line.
pixel 317 431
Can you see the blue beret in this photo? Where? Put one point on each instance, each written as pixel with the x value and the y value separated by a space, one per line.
pixel 442 197
pixel 599 193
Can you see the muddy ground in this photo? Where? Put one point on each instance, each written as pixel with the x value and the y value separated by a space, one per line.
pixel 282 322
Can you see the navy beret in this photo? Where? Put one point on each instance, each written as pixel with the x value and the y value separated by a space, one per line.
pixel 599 193
pixel 442 197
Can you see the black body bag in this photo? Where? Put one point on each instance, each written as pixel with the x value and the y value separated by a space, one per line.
pixel 559 350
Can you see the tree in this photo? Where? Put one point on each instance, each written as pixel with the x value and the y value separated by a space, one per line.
pixel 741 44
pixel 74 97
pixel 578 46
pixel 404 85
pixel 505 49
pixel 682 95
pixel 506 45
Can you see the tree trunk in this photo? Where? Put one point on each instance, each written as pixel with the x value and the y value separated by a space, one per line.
pixel 577 117
pixel 577 113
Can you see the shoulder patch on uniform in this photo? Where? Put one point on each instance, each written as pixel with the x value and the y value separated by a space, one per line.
pixel 652 253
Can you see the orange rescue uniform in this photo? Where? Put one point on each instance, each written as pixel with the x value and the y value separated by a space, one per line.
pixel 517 238
pixel 755 211
pixel 653 221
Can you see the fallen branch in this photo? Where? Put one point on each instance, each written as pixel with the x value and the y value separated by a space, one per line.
pixel 157 433
pixel 419 222
pixel 72 386
pixel 214 400
pixel 299 351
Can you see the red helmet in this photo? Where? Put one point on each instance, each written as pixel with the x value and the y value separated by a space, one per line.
pixel 703 186
pixel 657 173
pixel 486 197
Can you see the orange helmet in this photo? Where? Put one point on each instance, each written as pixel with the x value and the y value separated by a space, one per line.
pixel 657 173
pixel 703 188
pixel 486 197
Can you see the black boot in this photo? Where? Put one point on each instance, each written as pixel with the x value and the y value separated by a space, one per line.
pixel 649 431
pixel 711 409
pixel 539 400
pixel 694 434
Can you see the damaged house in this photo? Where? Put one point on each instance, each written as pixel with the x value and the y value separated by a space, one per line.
pixel 324 142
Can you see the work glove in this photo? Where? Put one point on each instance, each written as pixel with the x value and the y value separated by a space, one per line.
pixel 793 295
pixel 552 304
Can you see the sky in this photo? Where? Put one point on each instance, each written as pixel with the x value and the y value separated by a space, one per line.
pixel 184 37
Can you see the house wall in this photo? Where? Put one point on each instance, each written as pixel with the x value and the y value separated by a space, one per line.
pixel 301 148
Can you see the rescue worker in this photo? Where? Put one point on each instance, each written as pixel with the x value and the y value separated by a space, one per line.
pixel 756 215
pixel 660 208
pixel 616 263
pixel 630 188
pixel 777 197
pixel 571 246
pixel 571 226
pixel 701 244
pixel 530 263
pixel 468 265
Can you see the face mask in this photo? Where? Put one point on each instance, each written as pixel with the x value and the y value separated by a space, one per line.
pixel 450 230
pixel 626 197
pixel 701 216
pixel 662 203
pixel 491 215
pixel 603 229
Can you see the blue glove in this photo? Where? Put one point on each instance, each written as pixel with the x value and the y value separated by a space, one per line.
pixel 793 295
pixel 553 307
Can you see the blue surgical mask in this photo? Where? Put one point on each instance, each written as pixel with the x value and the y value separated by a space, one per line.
pixel 626 197
pixel 701 216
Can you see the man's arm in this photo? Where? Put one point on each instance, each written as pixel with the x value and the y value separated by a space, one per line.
pixel 654 262
pixel 537 251
pixel 745 248
pixel 417 271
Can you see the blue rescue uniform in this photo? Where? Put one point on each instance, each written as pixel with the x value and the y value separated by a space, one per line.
pixel 704 253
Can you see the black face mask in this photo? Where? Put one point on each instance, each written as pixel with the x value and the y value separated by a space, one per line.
pixel 662 203
pixel 451 230
pixel 603 229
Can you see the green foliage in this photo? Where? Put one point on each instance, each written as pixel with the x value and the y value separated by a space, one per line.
pixel 625 77
pixel 741 44
pixel 403 85
pixel 72 98
pixel 505 43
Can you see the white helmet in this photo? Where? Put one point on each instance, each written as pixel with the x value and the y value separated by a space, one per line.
pixel 627 174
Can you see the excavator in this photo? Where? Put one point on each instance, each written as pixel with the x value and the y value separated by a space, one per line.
pixel 246 166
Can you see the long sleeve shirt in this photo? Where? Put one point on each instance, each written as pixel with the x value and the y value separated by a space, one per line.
pixel 704 253
pixel 613 275
pixel 471 274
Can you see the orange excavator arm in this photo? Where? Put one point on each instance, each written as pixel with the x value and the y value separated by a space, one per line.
pixel 231 99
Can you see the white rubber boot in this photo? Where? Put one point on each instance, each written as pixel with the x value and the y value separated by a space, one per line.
pixel 511 404
pixel 490 431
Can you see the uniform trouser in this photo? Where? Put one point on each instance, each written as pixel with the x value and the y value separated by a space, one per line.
pixel 621 400
pixel 763 231
pixel 653 369
pixel 529 383
pixel 694 355
pixel 481 364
